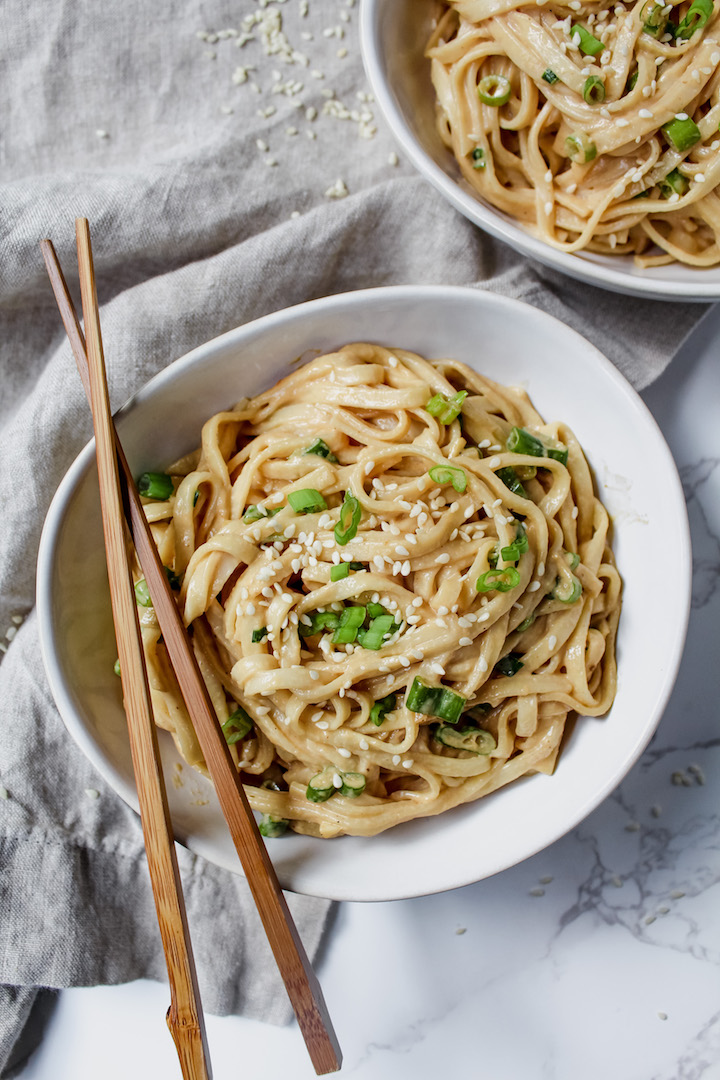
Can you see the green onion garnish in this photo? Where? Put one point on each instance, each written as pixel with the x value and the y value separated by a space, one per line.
pixel 587 44
pixel 567 592
pixel 594 90
pixel 513 551
pixel 632 81
pixel 580 148
pixel 256 513
pixel 478 158
pixel 351 620
pixel 435 701
pixel 697 15
pixel 494 90
pixel 307 501
pixel 350 514
pixel 142 593
pixel 475 740
pixel 511 480
pixel 374 610
pixel 237 726
pixel 446 409
pixel 449 474
pixel 116 667
pixel 321 448
pixel 654 18
pixel 549 76
pixel 380 628
pixel 674 183
pixel 321 787
pixel 521 441
pixel 526 623
pixel 381 708
pixel 498 580
pixel 353 784
pixel 272 826
pixel 259 634
pixel 319 620
pixel 682 133
pixel 337 573
pixel 508 665
pixel 155 485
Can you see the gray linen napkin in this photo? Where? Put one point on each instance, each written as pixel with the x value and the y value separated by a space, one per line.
pixel 231 163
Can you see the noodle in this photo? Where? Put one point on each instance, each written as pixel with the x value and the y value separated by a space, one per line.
pixel 608 141
pixel 346 543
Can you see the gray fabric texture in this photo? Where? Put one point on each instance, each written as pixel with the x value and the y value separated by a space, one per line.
pixel 223 178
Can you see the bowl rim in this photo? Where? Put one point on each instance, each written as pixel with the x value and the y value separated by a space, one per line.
pixel 62 501
pixel 580 265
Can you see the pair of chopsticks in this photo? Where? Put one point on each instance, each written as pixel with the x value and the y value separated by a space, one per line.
pixel 122 511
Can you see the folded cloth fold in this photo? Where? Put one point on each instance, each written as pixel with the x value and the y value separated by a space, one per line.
pixel 228 170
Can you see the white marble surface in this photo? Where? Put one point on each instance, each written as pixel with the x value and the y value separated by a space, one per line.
pixel 597 958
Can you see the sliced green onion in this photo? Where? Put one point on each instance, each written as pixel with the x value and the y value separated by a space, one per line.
pixel 116 667
pixel 587 44
pixel 474 740
pixel 446 409
pixel 142 593
pixel 256 513
pixel 381 708
pixel 259 634
pixel 567 592
pixel 319 620
pixel 155 485
pixel 549 76
pixel 478 158
pixel 307 501
pixel 353 784
pixel 513 551
pixel 682 133
pixel 508 665
pixel 572 559
pixel 580 148
pixel 435 701
pixel 321 787
pixel 526 623
pixel 674 183
pixel 351 620
pixel 379 629
pixel 321 449
pixel 272 826
pixel 511 480
pixel 594 90
pixel 498 580
pixel 374 610
pixel 341 570
pixel 632 81
pixel 237 726
pixel 697 15
pixel 654 18
pixel 521 441
pixel 494 90
pixel 350 514
pixel 449 474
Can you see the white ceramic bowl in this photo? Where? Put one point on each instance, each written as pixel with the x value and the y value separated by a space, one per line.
pixel 393 36
pixel 511 342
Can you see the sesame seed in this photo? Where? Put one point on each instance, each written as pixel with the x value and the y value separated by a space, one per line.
pixel 396 759
pixel 401 550
pixel 465 641
pixel 92 793
pixel 552 641
pixel 533 586
pixel 621 122
pixel 699 178
pixel 681 116
pixel 645 114
pixel 315 675
pixel 407 763
pixel 343 752
pixel 443 558
pixel 369 466
pixel 483 664
pixel 494 462
pixel 541 569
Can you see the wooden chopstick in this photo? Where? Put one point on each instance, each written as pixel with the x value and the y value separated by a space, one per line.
pixel 302 986
pixel 185 1018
